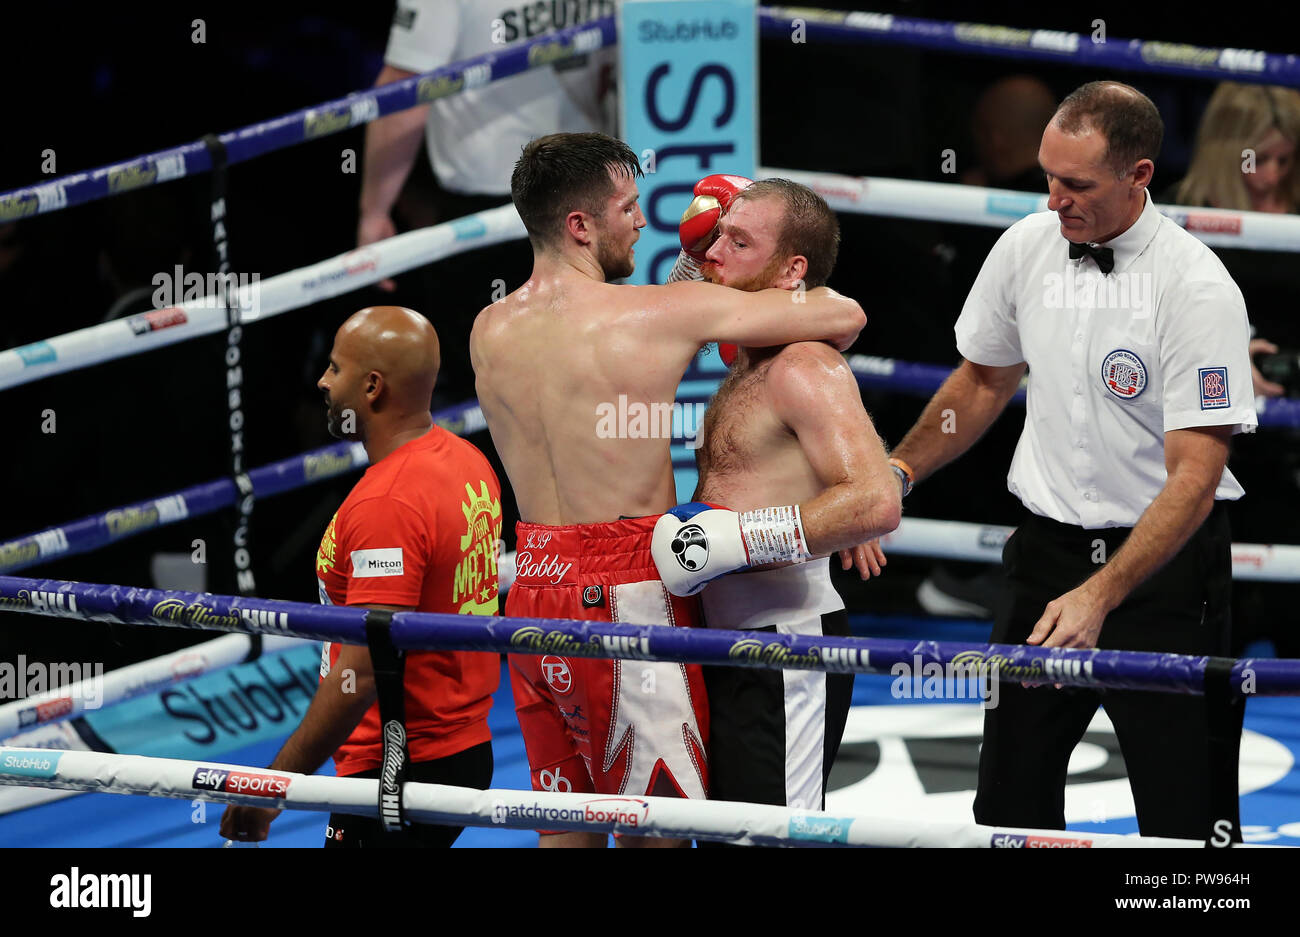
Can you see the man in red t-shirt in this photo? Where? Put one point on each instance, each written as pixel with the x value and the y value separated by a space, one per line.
pixel 418 532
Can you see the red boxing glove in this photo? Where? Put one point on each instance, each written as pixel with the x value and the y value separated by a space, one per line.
pixel 699 225
pixel 723 187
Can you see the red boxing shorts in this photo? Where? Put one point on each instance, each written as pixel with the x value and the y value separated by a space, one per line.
pixel 595 725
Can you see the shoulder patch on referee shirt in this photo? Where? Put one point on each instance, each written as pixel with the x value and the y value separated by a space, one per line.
pixel 404 17
pixel 1214 388
pixel 386 561
pixel 1124 374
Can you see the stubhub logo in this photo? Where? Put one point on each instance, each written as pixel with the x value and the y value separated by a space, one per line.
pixel 820 829
pixel 30 764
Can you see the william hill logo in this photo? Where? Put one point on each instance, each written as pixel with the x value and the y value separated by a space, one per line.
pixel 322 123
pixel 430 89
pixel 194 614
pixel 554 641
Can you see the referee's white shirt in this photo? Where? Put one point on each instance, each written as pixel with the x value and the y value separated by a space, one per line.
pixel 1115 361
pixel 474 137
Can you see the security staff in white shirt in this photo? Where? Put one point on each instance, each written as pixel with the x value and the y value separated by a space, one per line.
pixel 473 139
pixel 1135 338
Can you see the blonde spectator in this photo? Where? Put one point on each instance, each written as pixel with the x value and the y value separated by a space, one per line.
pixel 1245 151
pixel 1245 160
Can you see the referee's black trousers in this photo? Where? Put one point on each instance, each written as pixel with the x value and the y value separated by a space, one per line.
pixel 1164 737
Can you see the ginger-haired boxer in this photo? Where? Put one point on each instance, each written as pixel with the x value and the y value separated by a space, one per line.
pixel 787 423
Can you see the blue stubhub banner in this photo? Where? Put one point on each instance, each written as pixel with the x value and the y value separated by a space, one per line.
pixel 689 94
pixel 220 712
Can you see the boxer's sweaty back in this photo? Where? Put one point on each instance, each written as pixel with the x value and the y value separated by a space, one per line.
pixel 577 389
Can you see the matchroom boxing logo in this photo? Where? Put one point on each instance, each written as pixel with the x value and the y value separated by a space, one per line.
pixel 636 420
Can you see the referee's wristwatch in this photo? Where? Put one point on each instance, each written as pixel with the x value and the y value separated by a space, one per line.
pixel 904 473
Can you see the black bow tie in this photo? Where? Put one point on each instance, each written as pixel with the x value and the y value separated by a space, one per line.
pixel 1104 256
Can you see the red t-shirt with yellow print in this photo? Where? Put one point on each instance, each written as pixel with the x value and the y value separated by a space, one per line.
pixel 420 528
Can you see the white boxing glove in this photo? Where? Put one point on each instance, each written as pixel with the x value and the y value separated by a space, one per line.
pixel 696 543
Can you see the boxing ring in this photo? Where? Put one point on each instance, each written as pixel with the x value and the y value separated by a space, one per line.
pixel 46 747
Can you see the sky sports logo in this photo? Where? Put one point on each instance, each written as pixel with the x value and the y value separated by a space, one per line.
pixel 1016 841
pixel 386 561
pixel 240 782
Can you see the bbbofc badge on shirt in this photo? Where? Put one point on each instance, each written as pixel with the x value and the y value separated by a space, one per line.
pixel 1214 388
pixel 1124 374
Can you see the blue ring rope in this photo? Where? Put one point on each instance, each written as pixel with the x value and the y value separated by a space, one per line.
pixel 413 631
pixel 355 110
pixel 1040 45
pixel 362 107
pixel 99 530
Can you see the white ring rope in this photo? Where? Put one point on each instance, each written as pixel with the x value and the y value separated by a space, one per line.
pixel 982 543
pixel 1000 208
pixel 270 297
pixel 931 201
pixel 68 702
pixel 746 824
pixel 958 540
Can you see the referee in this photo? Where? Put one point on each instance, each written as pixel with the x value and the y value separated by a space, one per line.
pixel 1135 339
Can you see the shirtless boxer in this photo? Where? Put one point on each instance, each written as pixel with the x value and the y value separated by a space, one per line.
pixel 547 357
pixel 787 424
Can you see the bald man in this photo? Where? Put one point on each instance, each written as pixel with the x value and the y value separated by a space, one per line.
pixel 418 532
